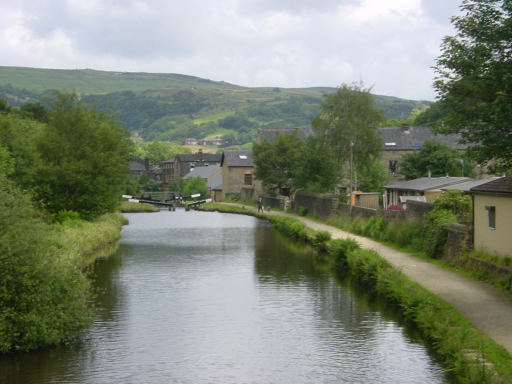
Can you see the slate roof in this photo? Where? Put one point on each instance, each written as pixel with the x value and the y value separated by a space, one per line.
pixel 137 166
pixel 196 158
pixel 502 185
pixel 216 182
pixel 234 158
pixel 270 134
pixel 427 183
pixel 412 138
pixel 466 186
pixel 204 172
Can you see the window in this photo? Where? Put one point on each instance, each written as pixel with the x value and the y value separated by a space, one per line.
pixel 491 214
pixel 248 179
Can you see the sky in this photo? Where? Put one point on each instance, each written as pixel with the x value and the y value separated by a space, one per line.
pixel 389 45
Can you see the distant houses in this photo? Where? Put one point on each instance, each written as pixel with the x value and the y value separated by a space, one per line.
pixel 139 167
pixel 425 189
pixel 204 142
pixel 398 141
pixel 178 166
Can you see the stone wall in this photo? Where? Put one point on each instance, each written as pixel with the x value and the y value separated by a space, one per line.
pixel 318 205
pixel 416 210
pixel 275 201
pixel 460 240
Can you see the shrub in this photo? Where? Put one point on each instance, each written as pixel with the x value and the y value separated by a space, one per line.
pixel 43 296
pixel 320 240
pixel 436 231
pixel 65 216
pixel 406 234
pixel 303 211
pixel 456 202
pixel 339 250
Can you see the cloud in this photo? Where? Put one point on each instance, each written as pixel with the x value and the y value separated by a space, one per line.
pixel 285 43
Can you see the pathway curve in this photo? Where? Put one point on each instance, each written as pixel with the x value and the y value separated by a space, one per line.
pixel 481 303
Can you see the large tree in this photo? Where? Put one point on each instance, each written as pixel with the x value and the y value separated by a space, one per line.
pixel 347 123
pixel 292 163
pixel 474 80
pixel 438 159
pixel 84 159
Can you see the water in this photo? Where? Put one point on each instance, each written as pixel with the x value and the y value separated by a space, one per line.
pixel 195 297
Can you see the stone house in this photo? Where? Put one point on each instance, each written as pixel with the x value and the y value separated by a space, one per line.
pixel 398 141
pixel 139 166
pixel 237 175
pixel 178 166
pixel 492 216
pixel 425 189
pixel 211 174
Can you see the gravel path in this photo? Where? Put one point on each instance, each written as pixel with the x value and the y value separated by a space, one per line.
pixel 481 303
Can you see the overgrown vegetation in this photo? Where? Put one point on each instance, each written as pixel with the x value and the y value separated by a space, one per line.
pixel 57 167
pixel 468 354
pixel 44 291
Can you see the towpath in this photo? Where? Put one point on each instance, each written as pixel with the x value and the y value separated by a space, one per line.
pixel 481 303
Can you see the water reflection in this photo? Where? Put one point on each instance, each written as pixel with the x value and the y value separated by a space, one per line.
pixel 214 298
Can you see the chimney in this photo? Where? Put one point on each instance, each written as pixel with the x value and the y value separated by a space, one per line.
pixel 200 154
pixel 146 163
pixel 405 127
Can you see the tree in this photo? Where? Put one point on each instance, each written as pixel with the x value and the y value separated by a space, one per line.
pixel 277 163
pixel 158 151
pixel 318 170
pixel 192 186
pixel 474 80
pixel 347 123
pixel 438 159
pixel 292 163
pixel 84 159
pixel 372 176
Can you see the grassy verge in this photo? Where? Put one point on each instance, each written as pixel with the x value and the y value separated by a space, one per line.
pixel 130 207
pixel 466 352
pixel 45 295
pixel 83 242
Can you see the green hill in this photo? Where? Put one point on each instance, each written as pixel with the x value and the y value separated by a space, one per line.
pixel 159 106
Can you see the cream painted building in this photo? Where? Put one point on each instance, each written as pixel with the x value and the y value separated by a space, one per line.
pixel 492 217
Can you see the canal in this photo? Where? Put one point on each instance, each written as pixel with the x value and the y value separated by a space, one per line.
pixel 196 297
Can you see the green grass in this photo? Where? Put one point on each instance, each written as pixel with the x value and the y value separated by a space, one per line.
pixel 127 206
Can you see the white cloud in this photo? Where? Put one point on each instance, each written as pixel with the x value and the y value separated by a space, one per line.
pixel 389 44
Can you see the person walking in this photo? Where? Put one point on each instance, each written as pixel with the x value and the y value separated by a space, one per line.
pixel 260 205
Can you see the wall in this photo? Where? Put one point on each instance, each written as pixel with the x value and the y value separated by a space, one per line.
pixel 318 205
pixel 460 240
pixel 493 241
pixel 275 201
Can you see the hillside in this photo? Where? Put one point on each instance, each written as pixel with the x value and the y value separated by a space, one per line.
pixel 173 107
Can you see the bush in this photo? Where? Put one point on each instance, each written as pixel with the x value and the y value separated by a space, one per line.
pixel 456 202
pixel 436 231
pixel 65 216
pixel 339 250
pixel 303 211
pixel 406 234
pixel 43 295
pixel 320 240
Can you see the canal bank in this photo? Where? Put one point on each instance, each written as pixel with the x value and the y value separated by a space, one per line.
pixel 197 297
pixel 481 304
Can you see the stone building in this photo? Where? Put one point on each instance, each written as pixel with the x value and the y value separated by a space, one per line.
pixel 178 166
